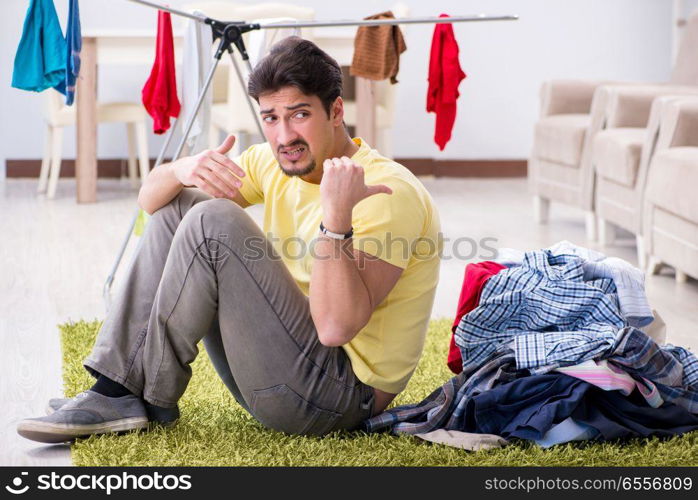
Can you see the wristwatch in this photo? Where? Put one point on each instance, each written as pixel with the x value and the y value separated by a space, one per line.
pixel 336 236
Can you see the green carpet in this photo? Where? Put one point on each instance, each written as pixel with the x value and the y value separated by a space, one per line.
pixel 215 430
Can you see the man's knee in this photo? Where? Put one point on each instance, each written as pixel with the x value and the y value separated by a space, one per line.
pixel 224 225
pixel 189 197
pixel 220 214
pixel 217 208
pixel 181 204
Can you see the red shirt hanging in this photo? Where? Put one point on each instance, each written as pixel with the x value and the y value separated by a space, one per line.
pixel 445 74
pixel 160 91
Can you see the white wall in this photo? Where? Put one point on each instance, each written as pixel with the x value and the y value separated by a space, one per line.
pixel 505 62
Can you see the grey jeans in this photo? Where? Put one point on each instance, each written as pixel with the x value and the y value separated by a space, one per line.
pixel 194 277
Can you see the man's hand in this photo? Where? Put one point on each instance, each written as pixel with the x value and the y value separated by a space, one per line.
pixel 211 171
pixel 341 188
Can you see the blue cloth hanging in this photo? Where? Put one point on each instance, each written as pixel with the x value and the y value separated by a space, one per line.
pixel 40 59
pixel 73 40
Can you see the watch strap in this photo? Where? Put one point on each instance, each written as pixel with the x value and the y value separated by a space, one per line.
pixel 336 236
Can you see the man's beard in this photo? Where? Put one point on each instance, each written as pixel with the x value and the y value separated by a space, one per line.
pixel 298 173
pixel 304 171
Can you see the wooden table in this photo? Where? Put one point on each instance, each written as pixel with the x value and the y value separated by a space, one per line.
pixel 103 47
pixel 138 47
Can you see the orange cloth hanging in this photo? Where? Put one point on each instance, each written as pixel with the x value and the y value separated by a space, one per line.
pixel 377 50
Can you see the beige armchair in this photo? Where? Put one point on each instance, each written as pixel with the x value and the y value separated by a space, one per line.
pixel 670 221
pixel 561 166
pixel 560 143
pixel 621 154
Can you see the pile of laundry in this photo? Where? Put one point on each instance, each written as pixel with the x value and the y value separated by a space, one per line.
pixel 552 346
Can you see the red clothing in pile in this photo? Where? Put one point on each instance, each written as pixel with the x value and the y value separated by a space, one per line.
pixel 476 275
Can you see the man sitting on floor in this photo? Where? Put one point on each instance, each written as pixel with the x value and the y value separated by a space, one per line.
pixel 313 327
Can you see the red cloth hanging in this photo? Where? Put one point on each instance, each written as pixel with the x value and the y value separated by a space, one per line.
pixel 160 91
pixel 476 275
pixel 445 74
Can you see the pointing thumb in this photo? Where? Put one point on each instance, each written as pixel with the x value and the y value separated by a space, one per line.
pixel 227 145
pixel 378 188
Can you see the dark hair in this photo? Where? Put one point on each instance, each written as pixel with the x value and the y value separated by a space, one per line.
pixel 297 63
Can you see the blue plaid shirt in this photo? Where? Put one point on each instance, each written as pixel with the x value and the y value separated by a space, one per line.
pixel 545 312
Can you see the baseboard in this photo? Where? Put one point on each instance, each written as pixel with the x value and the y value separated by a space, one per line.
pixel 116 168
pixel 465 168
pixel 110 168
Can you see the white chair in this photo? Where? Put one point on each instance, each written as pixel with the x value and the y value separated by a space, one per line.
pixel 232 114
pixel 58 116
pixel 230 111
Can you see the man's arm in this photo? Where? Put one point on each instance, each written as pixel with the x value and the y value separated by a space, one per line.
pixel 211 171
pixel 346 285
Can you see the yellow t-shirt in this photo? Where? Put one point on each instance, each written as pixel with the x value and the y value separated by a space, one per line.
pixel 402 229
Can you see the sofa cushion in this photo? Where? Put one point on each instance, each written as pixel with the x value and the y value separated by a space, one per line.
pixel 616 154
pixel 559 138
pixel 672 181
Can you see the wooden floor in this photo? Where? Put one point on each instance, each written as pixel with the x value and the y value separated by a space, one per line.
pixel 55 256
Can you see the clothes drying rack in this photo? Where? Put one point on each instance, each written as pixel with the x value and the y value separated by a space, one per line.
pixel 228 35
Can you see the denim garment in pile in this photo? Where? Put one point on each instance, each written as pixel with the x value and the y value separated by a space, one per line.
pixel 672 369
